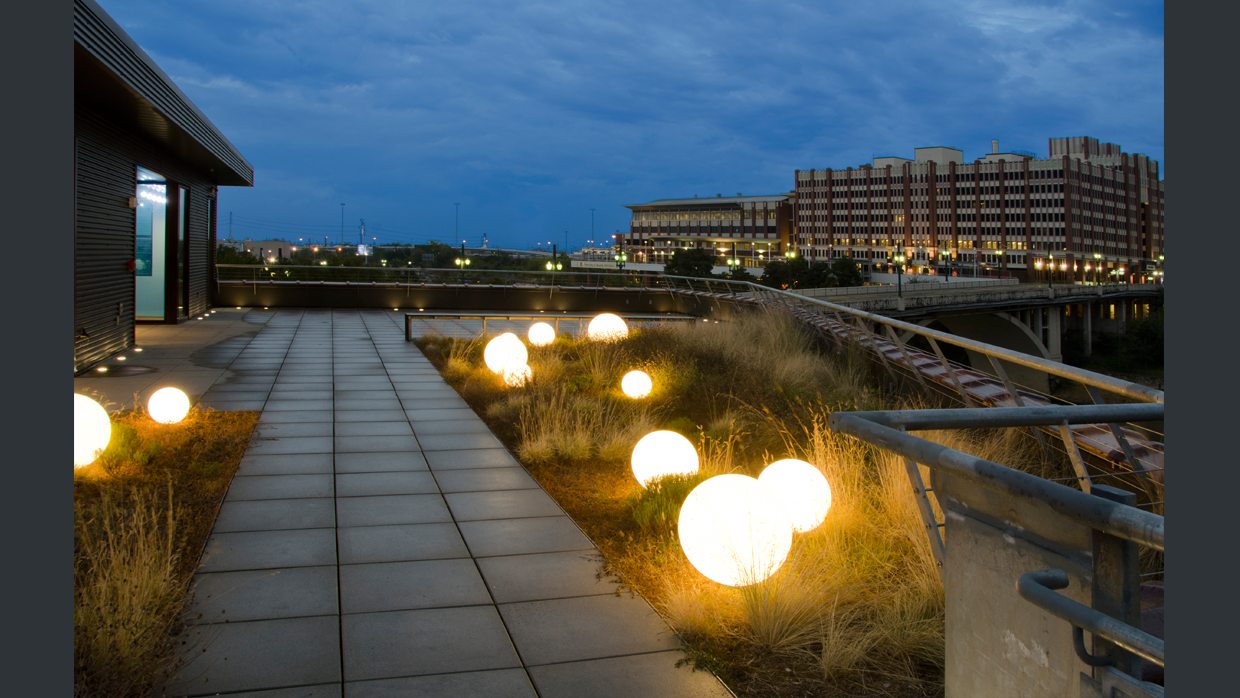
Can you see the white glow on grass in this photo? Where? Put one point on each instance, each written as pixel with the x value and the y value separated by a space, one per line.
pixel 168 406
pixel 803 488
pixel 607 328
pixel 734 530
pixel 92 430
pixel 636 384
pixel 503 351
pixel 541 334
pixel 662 453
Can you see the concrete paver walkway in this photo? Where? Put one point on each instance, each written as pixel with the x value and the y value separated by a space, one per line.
pixel 378 540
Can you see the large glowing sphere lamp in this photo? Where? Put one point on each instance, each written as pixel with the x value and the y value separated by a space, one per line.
pixel 636 384
pixel 92 430
pixel 515 375
pixel 663 453
pixel 734 530
pixel 541 334
pixel 803 488
pixel 168 406
pixel 503 351
pixel 607 328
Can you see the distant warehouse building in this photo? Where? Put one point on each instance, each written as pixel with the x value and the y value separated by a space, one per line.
pixel 754 229
pixel 147 166
pixel 1089 210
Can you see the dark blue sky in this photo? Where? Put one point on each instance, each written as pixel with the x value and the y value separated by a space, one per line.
pixel 531 114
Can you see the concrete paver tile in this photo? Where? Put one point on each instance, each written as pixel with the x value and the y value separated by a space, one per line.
pixel 259 550
pixel 275 514
pixel 286 463
pixel 243 388
pixel 401 586
pixel 417 412
pixel 379 484
pixel 437 541
pixel 262 654
pixel 283 395
pixel 452 426
pixel 296 416
pixel 367 403
pixel 284 431
pixel 585 627
pixel 233 405
pixel 484 479
pixel 501 504
pixel 297 404
pixel 279 487
pixel 326 690
pixel 514 578
pixel 301 385
pixel 429 641
pixel 265 594
pixel 398 428
pixel 499 683
pixel 384 510
pixel 292 444
pixel 380 394
pixel 366 415
pixel 379 462
pixel 647 675
pixel 454 442
pixel 372 444
pixel 520 536
pixel 319 381
pixel 470 458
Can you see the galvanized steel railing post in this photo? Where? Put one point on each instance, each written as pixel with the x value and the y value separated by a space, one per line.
pixel 1117 583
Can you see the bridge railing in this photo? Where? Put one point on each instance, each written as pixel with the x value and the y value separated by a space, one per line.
pixel 275 273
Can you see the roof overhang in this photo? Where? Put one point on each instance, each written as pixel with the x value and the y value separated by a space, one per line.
pixel 115 78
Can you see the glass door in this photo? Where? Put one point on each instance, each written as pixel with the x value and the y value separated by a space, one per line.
pixel 149 248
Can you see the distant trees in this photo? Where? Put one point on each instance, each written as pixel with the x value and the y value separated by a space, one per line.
pixel 695 262
pixel 225 254
pixel 799 273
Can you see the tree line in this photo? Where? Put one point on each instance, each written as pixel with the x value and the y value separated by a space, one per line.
pixel 794 273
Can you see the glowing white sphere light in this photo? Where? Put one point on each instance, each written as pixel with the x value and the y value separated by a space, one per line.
pixel 607 328
pixel 515 375
pixel 92 430
pixel 662 453
pixel 636 384
pixel 734 530
pixel 803 488
pixel 168 406
pixel 503 351
pixel 542 334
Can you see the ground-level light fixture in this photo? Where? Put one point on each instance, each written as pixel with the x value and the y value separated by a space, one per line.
pixel 636 384
pixel 607 328
pixel 168 405
pixel 803 488
pixel 92 430
pixel 504 351
pixel 735 530
pixel 662 453
pixel 516 375
pixel 541 334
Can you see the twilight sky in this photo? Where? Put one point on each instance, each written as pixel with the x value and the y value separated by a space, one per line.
pixel 530 114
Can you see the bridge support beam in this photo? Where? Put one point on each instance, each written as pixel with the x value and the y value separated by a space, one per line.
pixel 1054 332
pixel 1087 326
pixel 1121 315
pixel 1036 325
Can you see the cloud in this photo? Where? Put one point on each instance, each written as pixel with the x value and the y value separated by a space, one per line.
pixel 541 111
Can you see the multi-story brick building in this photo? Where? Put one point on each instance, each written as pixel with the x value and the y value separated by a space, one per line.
pixel 1089 210
pixel 753 228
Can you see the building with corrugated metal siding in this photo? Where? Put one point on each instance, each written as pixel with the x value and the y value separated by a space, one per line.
pixel 147 166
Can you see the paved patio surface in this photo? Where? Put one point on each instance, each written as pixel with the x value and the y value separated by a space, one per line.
pixel 378 540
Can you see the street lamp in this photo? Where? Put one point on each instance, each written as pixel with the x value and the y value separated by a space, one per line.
pixel 944 255
pixel 462 261
pixel 1097 266
pixel 554 264
pixel 621 258
pixel 899 264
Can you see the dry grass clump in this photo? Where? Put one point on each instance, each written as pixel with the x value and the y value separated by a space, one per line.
pixel 142 514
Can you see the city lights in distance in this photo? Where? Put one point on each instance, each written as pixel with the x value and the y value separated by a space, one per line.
pixel 541 334
pixel 803 489
pixel 92 430
pixel 636 384
pixel 662 453
pixel 734 530
pixel 168 406
pixel 607 328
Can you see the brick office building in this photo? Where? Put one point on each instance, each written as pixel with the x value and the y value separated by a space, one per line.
pixel 1087 205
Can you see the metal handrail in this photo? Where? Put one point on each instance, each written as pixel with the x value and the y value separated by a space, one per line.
pixel 1121 387
pixel 1109 517
pixel 1038 588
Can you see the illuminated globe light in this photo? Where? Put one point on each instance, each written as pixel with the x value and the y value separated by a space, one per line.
pixel 663 453
pixel 515 376
pixel 607 328
pixel 541 334
pixel 636 384
pixel 503 351
pixel 803 488
pixel 735 530
pixel 92 430
pixel 168 406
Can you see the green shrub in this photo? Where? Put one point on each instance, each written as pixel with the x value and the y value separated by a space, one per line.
pixel 656 508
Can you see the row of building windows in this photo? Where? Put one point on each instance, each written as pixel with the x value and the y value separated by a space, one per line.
pixel 722 215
